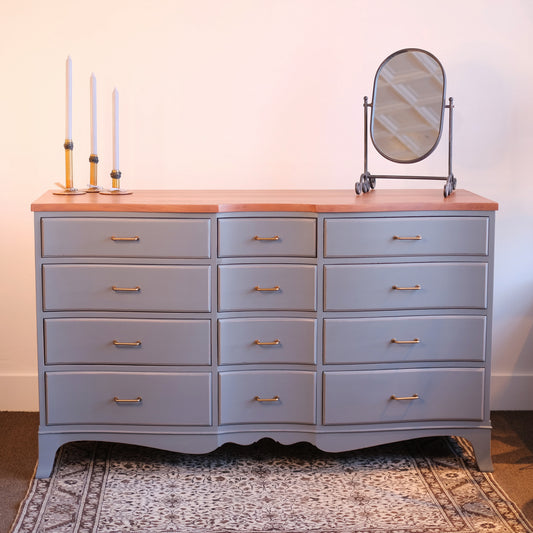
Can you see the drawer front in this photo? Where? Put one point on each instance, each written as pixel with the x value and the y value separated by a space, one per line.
pixel 267 287
pixel 127 341
pixel 404 339
pixel 410 236
pixel 140 288
pixel 371 287
pixel 156 398
pixel 250 397
pixel 266 340
pixel 367 397
pixel 125 237
pixel 267 237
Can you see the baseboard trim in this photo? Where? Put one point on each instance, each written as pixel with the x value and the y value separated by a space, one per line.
pixel 511 392
pixel 19 392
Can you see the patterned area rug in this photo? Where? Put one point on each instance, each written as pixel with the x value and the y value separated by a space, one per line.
pixel 426 485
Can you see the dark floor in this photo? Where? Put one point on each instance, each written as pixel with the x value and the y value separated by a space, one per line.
pixel 512 455
pixel 18 457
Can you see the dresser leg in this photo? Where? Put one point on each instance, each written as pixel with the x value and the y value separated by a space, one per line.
pixel 48 447
pixel 480 440
pixel 44 466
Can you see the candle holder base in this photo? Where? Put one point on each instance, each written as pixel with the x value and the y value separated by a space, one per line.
pixel 115 184
pixel 116 191
pixel 93 188
pixel 70 190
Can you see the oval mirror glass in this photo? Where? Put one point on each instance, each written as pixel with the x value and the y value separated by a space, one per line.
pixel 408 105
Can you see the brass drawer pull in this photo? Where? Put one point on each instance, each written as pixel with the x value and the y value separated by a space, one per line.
pixel 118 343
pixel 133 400
pixel 415 238
pixel 400 398
pixel 126 289
pixel 272 343
pixel 136 238
pixel 414 288
pixel 275 238
pixel 276 288
pixel 274 399
pixel 414 341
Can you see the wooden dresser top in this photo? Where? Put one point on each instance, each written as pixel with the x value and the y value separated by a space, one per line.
pixel 305 200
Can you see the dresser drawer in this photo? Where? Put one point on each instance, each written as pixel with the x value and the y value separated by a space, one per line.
pixel 369 397
pixel 409 236
pixel 125 237
pixel 404 339
pixel 266 340
pixel 136 288
pixel 264 397
pixel 267 287
pixel 127 341
pixel 101 398
pixel 405 286
pixel 267 237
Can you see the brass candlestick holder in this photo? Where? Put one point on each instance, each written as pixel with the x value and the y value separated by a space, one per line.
pixel 69 172
pixel 93 184
pixel 115 184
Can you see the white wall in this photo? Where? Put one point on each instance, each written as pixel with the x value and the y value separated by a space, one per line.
pixel 259 94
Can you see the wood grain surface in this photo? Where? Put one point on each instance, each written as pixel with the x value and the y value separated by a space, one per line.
pixel 226 201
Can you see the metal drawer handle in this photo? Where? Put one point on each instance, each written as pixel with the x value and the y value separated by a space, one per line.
pixel 274 399
pixel 415 238
pixel 414 288
pixel 275 238
pixel 414 341
pixel 118 343
pixel 400 398
pixel 273 343
pixel 276 288
pixel 136 238
pixel 134 400
pixel 126 289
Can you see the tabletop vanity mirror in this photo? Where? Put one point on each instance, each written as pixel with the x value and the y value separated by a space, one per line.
pixel 407 115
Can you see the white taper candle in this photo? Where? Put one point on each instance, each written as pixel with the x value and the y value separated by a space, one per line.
pixel 68 121
pixel 115 131
pixel 94 148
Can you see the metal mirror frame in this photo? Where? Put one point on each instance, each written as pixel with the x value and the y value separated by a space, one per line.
pixel 367 181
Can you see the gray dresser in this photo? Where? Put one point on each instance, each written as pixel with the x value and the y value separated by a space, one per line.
pixel 186 319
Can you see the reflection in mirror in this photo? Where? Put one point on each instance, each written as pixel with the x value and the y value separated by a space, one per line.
pixel 408 106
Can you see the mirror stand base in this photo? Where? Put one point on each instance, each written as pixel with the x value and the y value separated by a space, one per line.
pixel 367 182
